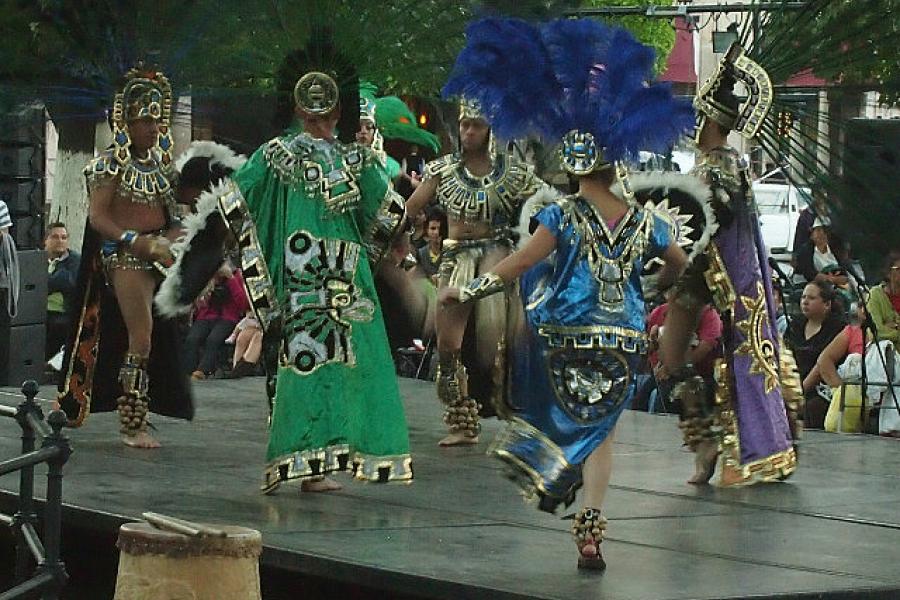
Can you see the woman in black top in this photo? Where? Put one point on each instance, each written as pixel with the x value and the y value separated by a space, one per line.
pixel 821 323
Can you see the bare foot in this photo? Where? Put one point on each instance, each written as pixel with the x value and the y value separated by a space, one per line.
pixel 705 463
pixel 141 439
pixel 326 484
pixel 458 439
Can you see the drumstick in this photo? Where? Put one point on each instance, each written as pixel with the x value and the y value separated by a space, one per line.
pixel 180 526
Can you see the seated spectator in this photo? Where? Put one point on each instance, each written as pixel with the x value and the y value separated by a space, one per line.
pixel 841 367
pixel 820 323
pixel 215 318
pixel 823 248
pixel 62 269
pixel 702 354
pixel 884 301
pixel 247 339
pixel 837 276
pixel 428 256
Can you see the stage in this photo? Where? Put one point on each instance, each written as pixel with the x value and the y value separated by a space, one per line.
pixel 461 530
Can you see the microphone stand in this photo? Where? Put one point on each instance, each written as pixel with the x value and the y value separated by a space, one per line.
pixel 784 282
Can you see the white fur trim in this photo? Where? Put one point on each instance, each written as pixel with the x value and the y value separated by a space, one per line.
pixel 689 184
pixel 541 198
pixel 166 298
pixel 215 152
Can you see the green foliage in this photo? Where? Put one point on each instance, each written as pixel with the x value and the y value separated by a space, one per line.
pixel 856 44
pixel 655 32
pixel 846 43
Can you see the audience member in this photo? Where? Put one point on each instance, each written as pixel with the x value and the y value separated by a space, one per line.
pixel 821 321
pixel 419 236
pixel 806 218
pixel 781 320
pixel 837 276
pixel 884 301
pixel 702 354
pixel 62 270
pixel 841 366
pixel 823 248
pixel 247 339
pixel 429 255
pixel 9 264
pixel 215 318
pixel 411 168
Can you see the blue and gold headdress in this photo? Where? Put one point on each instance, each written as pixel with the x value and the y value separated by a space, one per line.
pixel 574 80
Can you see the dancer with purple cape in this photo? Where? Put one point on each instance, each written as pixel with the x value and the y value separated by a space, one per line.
pixel 749 419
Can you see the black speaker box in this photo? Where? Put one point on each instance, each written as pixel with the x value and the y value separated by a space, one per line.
pixel 21 161
pixel 21 354
pixel 869 214
pixel 28 231
pixel 32 288
pixel 23 196
pixel 24 125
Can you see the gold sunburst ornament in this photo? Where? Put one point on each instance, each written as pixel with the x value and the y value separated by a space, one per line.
pixel 760 349
pixel 679 221
pixel 316 93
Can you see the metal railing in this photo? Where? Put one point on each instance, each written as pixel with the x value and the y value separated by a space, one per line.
pixel 49 576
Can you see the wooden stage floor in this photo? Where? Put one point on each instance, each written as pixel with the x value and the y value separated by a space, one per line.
pixel 461 530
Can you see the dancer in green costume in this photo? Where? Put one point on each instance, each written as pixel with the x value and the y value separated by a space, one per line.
pixel 311 215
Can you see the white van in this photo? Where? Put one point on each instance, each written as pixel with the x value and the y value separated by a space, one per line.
pixel 779 206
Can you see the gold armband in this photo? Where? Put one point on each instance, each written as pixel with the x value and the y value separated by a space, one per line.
pixel 481 287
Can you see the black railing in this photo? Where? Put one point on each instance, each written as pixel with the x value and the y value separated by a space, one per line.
pixel 49 576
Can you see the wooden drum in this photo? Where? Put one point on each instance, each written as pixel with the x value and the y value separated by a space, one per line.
pixel 157 564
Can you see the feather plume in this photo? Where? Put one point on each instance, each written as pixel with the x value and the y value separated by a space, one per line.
pixel 568 74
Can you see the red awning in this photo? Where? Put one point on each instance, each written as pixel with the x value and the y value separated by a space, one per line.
pixel 805 78
pixel 680 66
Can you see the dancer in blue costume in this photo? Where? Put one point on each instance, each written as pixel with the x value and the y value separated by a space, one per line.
pixel 573 375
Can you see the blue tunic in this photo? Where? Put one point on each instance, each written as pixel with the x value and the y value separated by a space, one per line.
pixel 574 364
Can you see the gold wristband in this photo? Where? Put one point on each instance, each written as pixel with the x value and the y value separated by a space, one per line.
pixel 481 287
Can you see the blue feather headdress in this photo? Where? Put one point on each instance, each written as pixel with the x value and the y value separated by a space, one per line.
pixel 565 77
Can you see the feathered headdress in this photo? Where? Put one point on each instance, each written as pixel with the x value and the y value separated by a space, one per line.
pixel 319 78
pixel 579 81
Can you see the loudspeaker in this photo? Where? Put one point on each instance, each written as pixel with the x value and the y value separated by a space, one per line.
pixel 21 354
pixel 869 214
pixel 28 231
pixel 32 288
pixel 21 161
pixel 23 126
pixel 23 196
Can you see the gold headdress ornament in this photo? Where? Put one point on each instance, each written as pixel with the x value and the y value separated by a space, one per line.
pixel 366 109
pixel 469 109
pixel 715 99
pixel 316 93
pixel 145 94
pixel 367 113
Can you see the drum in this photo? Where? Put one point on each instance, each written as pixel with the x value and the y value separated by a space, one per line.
pixel 157 564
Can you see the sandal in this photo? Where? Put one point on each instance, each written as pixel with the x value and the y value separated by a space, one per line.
pixel 589 529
